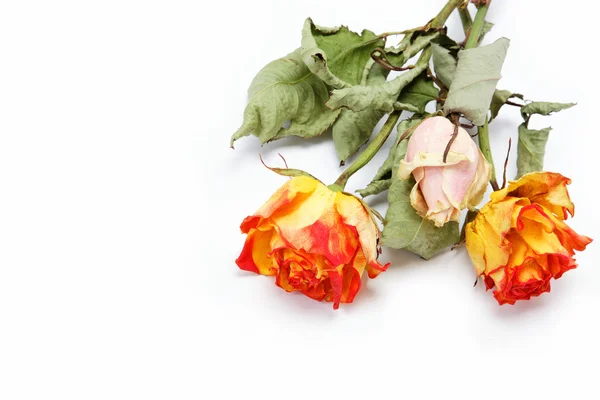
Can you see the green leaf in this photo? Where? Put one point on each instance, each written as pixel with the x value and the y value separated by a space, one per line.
pixel 285 90
pixel 452 46
pixel 531 149
pixel 404 228
pixel 406 107
pixel 543 108
pixel 444 64
pixel 354 128
pixel 414 43
pixel 499 99
pixel 378 97
pixel 383 178
pixel 532 143
pixel 477 73
pixel 487 27
pixel 419 93
pixel 375 187
pixel 340 57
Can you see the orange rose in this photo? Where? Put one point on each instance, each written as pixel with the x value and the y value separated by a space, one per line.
pixel 519 240
pixel 315 240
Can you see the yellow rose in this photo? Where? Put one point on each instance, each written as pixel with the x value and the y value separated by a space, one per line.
pixel 519 240
pixel 314 240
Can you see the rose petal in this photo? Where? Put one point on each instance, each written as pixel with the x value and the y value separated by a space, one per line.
pixel 255 256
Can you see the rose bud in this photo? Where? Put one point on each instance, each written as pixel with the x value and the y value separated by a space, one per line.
pixel 519 240
pixel 443 189
pixel 314 240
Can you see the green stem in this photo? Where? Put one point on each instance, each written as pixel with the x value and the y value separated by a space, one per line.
pixel 371 150
pixel 484 145
pixel 483 131
pixel 475 32
pixel 440 19
pixel 375 145
pixel 465 19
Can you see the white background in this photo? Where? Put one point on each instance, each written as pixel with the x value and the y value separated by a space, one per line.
pixel 120 204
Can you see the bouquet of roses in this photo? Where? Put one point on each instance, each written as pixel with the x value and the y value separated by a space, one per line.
pixel 318 239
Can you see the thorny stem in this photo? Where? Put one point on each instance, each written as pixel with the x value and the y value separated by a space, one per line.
pixel 393 118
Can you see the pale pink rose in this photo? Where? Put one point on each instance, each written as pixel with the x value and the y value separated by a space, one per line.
pixel 443 189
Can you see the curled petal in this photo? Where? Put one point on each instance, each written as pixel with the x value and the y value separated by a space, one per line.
pixel 479 186
pixel 547 189
pixel 350 285
pixel 255 256
pixel 335 278
pixel 284 196
pixel 374 268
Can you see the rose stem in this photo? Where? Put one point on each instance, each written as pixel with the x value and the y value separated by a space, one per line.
pixel 477 26
pixel 440 19
pixel 465 19
pixel 386 130
pixel 483 131
pixel 371 149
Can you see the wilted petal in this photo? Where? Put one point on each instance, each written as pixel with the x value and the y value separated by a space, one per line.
pixel 315 241
pixel 519 241
pixel 446 185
